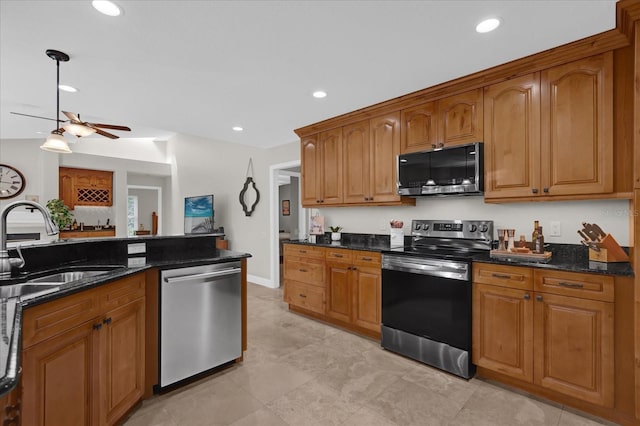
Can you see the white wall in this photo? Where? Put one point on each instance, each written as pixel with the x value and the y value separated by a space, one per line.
pixel 612 215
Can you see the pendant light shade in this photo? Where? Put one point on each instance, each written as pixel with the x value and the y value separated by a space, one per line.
pixel 78 130
pixel 56 143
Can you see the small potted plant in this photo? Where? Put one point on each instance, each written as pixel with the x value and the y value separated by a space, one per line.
pixel 335 233
pixel 60 213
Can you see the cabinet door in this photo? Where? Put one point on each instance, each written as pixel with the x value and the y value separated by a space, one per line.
pixel 419 128
pixel 577 127
pixel 311 171
pixel 59 386
pixel 366 297
pixel 305 296
pixel 460 118
pixel 331 181
pixel 384 151
pixel 573 341
pixel 512 138
pixel 503 330
pixel 65 187
pixel 122 361
pixel 356 162
pixel 339 291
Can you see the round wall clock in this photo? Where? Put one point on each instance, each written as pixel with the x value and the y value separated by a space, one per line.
pixel 12 182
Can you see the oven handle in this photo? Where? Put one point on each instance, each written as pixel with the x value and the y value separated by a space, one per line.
pixel 438 268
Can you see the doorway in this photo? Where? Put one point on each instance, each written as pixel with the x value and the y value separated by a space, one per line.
pixel 287 218
pixel 142 201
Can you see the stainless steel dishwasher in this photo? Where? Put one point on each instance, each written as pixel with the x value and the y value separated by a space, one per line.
pixel 200 320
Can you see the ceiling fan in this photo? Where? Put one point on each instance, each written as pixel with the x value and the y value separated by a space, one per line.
pixel 74 125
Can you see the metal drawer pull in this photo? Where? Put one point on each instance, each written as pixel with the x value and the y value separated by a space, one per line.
pixel 501 276
pixel 302 270
pixel 570 285
pixel 302 295
pixel 302 251
pixel 367 259
pixel 337 255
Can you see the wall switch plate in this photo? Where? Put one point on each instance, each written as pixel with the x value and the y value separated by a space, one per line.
pixel 555 229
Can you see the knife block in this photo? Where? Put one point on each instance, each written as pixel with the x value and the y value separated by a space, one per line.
pixel 610 251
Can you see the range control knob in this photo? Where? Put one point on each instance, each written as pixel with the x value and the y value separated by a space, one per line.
pixel 473 228
pixel 418 226
pixel 425 226
pixel 484 228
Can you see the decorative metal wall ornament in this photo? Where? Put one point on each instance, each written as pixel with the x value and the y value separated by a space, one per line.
pixel 245 188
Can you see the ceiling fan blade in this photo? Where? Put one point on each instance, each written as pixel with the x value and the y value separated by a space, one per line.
pixel 34 116
pixel 106 134
pixel 73 117
pixel 110 126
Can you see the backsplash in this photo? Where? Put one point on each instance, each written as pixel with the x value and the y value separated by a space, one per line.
pixel 612 216
pixel 91 215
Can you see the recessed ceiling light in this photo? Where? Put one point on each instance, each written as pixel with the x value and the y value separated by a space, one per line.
pixel 237 128
pixel 66 88
pixel 488 25
pixel 106 7
pixel 320 94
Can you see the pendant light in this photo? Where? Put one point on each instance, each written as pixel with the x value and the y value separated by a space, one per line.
pixel 55 142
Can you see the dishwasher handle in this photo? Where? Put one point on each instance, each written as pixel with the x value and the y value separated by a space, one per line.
pixel 204 275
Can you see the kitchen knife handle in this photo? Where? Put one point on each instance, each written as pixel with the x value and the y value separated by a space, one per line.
pixel 570 285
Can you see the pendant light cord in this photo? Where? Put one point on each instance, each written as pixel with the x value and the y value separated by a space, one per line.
pixel 57 95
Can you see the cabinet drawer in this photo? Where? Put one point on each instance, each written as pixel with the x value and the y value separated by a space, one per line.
pixel 339 255
pixel 310 271
pixel 584 286
pixel 305 296
pixel 367 258
pixel 302 250
pixel 503 275
pixel 49 319
pixel 122 291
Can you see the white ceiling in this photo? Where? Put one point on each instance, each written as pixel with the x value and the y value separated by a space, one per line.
pixel 201 67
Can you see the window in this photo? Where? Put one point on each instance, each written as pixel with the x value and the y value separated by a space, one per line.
pixel 132 214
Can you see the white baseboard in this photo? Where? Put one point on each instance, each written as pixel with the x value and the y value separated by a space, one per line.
pixel 260 281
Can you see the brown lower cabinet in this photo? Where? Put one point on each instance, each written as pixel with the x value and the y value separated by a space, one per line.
pixel 85 371
pixel 340 286
pixel 550 328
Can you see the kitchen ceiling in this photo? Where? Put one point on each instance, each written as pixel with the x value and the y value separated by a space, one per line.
pixel 202 67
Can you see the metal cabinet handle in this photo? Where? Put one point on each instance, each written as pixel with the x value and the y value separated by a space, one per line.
pixel 337 255
pixel 506 277
pixel 348 268
pixel 570 285
pixel 527 296
pixel 302 270
pixel 545 190
pixel 539 298
pixel 368 259
pixel 354 268
pixel 106 321
pixel 304 296
pixel 433 145
pixel 302 251
pixel 97 326
pixel 534 190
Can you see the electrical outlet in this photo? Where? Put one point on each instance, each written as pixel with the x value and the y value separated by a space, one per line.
pixel 555 229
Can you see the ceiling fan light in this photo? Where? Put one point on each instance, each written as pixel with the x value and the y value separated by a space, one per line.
pixel 56 143
pixel 78 129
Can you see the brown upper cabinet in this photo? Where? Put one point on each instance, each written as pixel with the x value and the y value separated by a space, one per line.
pixel 322 169
pixel 83 187
pixel 550 133
pixel 454 120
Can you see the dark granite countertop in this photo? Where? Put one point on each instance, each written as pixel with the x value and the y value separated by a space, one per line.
pixel 108 255
pixel 565 257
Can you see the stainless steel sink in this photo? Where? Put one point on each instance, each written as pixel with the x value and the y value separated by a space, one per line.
pixel 66 277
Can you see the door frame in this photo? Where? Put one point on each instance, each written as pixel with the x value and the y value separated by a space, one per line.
pixel 274 212
pixel 159 209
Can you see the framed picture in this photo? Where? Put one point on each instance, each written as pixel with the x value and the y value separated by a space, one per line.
pixel 198 214
pixel 317 225
pixel 286 204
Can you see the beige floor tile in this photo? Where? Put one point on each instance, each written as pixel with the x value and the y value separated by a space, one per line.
pixel 368 417
pixel 491 404
pixel 269 380
pixel 313 404
pixel 316 358
pixel 454 388
pixel 262 417
pixel 156 417
pixel 406 403
pixel 569 417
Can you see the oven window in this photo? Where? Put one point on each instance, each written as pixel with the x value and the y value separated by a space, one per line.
pixel 432 307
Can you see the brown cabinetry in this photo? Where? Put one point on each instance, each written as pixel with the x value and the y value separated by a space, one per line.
pixel 304 277
pixel 322 169
pixel 10 408
pixel 83 187
pixel 83 356
pixel 550 133
pixel 550 328
pixel 454 120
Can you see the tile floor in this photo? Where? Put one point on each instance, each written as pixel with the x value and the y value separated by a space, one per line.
pixel 300 372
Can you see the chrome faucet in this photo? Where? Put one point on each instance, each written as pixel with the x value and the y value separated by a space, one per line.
pixel 6 262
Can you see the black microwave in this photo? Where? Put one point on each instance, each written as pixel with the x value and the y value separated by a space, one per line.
pixel 458 170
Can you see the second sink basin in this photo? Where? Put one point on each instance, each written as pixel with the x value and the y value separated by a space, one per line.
pixel 68 276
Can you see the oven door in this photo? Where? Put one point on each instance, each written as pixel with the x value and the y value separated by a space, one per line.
pixel 429 298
